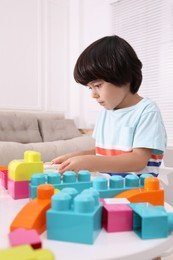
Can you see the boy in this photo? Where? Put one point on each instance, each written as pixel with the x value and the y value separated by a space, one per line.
pixel 130 135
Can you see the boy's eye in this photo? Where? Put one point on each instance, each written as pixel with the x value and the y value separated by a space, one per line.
pixel 97 86
pixel 94 86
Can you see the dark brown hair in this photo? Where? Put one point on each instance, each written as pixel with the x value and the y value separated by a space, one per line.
pixel 111 59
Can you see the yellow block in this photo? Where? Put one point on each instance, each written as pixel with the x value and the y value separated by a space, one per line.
pixel 22 170
pixel 26 252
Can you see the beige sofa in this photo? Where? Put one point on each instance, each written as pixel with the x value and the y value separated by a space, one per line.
pixel 47 132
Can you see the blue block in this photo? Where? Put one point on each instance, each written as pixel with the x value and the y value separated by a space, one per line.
pixel 36 180
pixel 150 222
pixel 75 218
pixel 117 184
pixel 68 179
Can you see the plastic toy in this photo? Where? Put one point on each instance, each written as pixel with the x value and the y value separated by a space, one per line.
pixel 117 217
pixel 118 184
pixel 33 214
pixel 50 167
pixel 151 221
pixel 75 217
pixel 20 172
pixel 4 176
pixel 68 180
pixel 22 236
pixel 151 193
pixel 25 253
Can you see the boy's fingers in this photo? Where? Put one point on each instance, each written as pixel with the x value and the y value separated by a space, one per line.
pixel 64 165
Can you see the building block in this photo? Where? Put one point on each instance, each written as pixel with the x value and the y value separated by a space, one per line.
pixel 150 222
pixel 68 179
pixel 117 184
pixel 50 167
pixel 26 252
pixel 33 214
pixel 18 189
pixel 75 217
pixel 4 176
pixel 151 193
pixel 22 236
pixel 117 217
pixel 3 168
pixel 20 172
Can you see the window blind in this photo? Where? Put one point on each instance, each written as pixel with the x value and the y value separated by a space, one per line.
pixel 148 27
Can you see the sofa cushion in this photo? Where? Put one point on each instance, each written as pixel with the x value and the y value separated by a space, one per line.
pixel 19 129
pixel 61 129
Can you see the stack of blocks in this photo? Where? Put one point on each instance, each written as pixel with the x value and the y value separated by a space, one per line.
pixel 20 172
pixel 116 185
pixel 75 217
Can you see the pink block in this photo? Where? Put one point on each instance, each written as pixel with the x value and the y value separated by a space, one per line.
pixel 4 177
pixel 117 217
pixel 22 236
pixel 18 189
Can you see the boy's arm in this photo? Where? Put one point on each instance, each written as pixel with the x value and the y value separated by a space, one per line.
pixel 62 158
pixel 128 162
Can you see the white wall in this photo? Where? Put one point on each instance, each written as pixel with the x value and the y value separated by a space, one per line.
pixel 40 41
pixel 89 21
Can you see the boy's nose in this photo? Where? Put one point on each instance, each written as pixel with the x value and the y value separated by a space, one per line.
pixel 94 94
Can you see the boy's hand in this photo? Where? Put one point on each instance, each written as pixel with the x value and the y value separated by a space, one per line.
pixel 60 159
pixel 77 163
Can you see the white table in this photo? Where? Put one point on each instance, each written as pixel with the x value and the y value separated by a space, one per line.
pixel 122 245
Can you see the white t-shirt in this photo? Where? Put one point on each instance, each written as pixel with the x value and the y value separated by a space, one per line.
pixel 139 126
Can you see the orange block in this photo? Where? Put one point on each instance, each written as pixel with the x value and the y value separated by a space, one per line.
pixel 150 193
pixel 33 214
pixel 2 168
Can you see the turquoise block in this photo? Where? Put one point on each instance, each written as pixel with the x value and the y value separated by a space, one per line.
pixel 82 181
pixel 35 181
pixel 117 184
pixel 67 180
pixel 151 222
pixel 75 218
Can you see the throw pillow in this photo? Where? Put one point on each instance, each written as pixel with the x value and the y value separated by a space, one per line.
pixel 60 129
pixel 19 129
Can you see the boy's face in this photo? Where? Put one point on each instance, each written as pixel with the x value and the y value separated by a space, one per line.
pixel 110 96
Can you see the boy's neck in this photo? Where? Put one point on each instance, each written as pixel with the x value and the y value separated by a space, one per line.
pixel 130 100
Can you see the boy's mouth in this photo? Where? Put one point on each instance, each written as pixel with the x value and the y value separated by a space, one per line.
pixel 101 103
